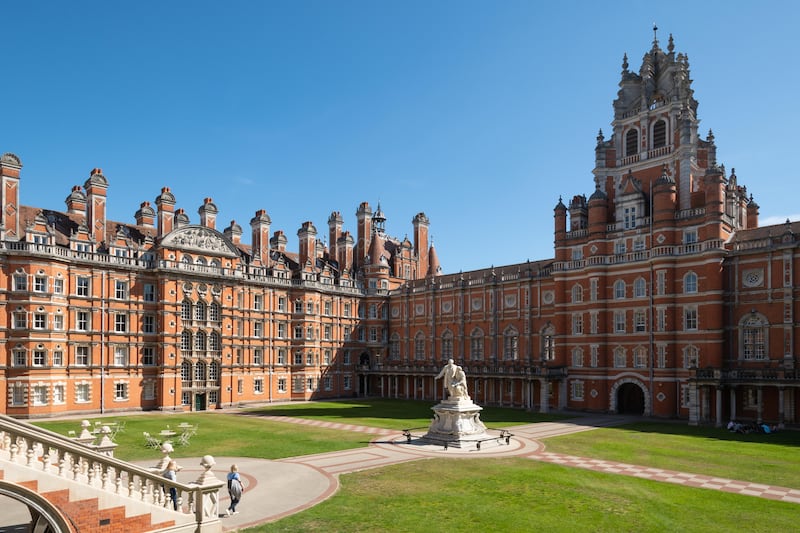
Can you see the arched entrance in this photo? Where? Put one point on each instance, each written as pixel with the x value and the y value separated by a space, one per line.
pixel 630 399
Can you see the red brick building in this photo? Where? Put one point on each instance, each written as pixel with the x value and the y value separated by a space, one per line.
pixel 663 297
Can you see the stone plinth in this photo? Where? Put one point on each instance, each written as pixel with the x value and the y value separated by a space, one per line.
pixel 456 423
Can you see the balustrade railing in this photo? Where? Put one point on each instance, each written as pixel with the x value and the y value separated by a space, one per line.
pixel 49 453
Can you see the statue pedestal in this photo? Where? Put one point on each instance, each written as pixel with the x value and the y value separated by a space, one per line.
pixel 456 423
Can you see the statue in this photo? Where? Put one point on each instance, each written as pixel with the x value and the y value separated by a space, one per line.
pixel 455 380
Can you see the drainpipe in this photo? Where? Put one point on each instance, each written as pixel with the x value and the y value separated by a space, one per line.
pixel 102 342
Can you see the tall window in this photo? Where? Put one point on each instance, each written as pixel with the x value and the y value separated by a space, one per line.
pixel 690 283
pixel 619 321
pixel 213 312
pixel 121 323
pixel 148 356
pixel 577 293
pixel 577 324
pixel 120 355
pixel 639 288
pixel 548 344
pixel 20 281
pixel 619 357
pixel 186 310
pixel 619 289
pixel 447 345
pixel 82 320
pixel 476 345
pixel 629 217
pixel 82 355
pixel 754 338
pixel 640 357
pixel 149 292
pixel 200 310
pixel 690 318
pixel 691 357
pixel 640 320
pixel 419 346
pixel 148 324
pixel 510 345
pixel 631 142
pixel 120 290
pixel 659 134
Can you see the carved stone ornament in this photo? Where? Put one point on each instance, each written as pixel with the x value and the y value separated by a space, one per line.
pixel 753 278
pixel 200 239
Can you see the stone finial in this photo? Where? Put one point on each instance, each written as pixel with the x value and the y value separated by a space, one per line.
pixel 207 476
pixel 625 62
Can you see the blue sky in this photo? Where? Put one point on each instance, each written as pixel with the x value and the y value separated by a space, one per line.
pixel 478 113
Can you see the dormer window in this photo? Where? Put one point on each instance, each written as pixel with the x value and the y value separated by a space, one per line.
pixel 631 142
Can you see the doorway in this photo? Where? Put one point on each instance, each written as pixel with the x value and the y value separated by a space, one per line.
pixel 630 399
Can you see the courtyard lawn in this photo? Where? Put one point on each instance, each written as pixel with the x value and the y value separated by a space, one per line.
pixel 220 434
pixel 394 414
pixel 468 495
pixel 772 459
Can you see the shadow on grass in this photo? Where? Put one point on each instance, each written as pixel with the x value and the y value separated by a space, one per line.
pixel 413 411
pixel 783 438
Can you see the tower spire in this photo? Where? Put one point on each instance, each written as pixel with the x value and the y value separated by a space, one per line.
pixel 655 36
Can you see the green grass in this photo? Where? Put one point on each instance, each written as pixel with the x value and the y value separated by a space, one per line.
pixel 468 495
pixel 772 459
pixel 393 414
pixel 222 434
pixel 487 494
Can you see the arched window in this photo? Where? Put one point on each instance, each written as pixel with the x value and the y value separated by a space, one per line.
pixel 186 371
pixel 213 342
pixel 640 357
pixel 690 283
pixel 447 345
pixel 753 330
pixel 577 293
pixel 213 371
pixel 213 312
pixel 619 289
pixel 510 345
pixel 200 341
pixel 639 288
pixel 200 371
pixel 691 357
pixel 631 142
pixel 577 356
pixel 200 310
pixel 659 134
pixel 476 345
pixel 186 341
pixel 394 347
pixel 548 343
pixel 186 310
pixel 419 346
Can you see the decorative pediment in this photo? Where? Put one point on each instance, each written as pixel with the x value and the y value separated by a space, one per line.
pixel 200 239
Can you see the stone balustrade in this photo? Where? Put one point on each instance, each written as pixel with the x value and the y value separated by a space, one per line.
pixel 55 455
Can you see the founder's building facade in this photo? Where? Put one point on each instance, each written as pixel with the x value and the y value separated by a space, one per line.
pixel 664 297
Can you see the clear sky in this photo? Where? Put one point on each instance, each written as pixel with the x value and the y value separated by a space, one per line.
pixel 478 113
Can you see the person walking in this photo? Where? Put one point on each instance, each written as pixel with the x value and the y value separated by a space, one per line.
pixel 171 473
pixel 235 489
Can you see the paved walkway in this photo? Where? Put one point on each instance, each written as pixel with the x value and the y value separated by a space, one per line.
pixel 275 489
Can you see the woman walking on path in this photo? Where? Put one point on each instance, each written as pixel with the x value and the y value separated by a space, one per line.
pixel 234 489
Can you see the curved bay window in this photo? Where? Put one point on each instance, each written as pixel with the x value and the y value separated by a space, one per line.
pixel 186 371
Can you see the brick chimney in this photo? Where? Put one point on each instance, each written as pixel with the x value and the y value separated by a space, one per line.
pixel 259 225
pixel 166 211
pixel 96 189
pixel 208 214
pixel 76 201
pixel 146 215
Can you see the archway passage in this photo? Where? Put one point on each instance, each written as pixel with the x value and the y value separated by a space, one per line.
pixel 630 399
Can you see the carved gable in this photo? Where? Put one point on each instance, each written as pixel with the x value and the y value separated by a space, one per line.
pixel 200 239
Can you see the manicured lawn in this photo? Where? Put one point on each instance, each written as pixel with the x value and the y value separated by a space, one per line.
pixel 771 459
pixel 394 414
pixel 469 495
pixel 222 434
